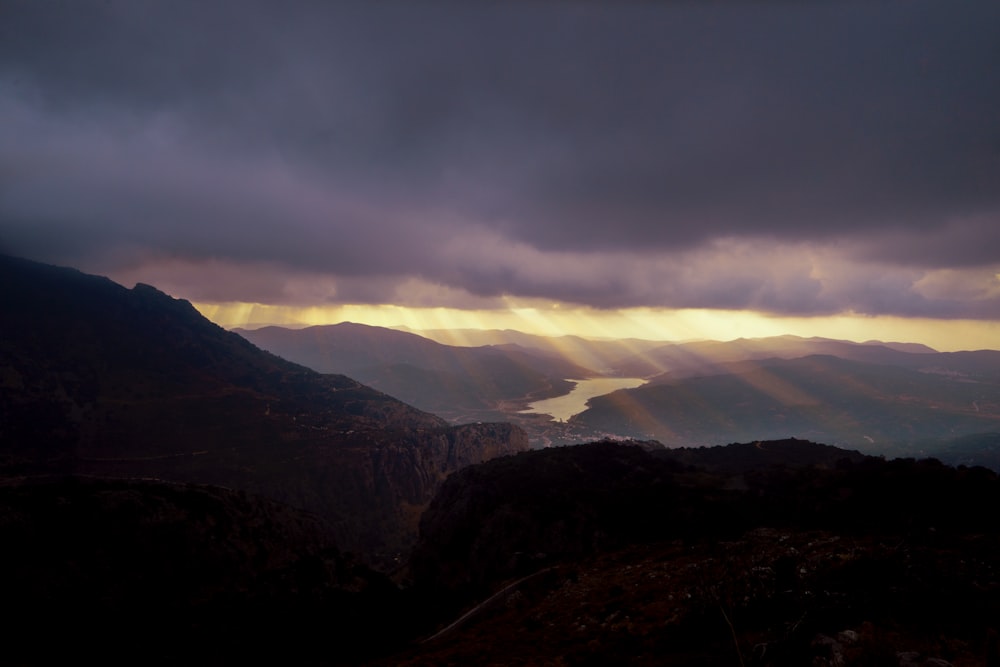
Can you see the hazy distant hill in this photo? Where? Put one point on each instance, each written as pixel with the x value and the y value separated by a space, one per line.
pixel 978 449
pixel 872 407
pixel 448 380
pixel 600 354
pixel 706 357
pixel 99 379
pixel 860 397
pixel 648 358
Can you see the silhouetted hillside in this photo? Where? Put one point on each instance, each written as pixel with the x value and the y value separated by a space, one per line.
pixel 493 521
pixel 100 379
pixel 740 458
pixel 488 520
pixel 609 554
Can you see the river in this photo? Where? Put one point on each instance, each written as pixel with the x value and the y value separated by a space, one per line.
pixel 575 402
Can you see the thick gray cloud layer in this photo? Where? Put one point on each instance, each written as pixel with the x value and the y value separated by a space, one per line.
pixel 812 157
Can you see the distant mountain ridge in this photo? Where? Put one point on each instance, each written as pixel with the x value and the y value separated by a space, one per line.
pixel 600 354
pixel 708 357
pixel 880 397
pixel 877 408
pixel 456 382
pixel 102 380
pixel 864 402
pixel 633 357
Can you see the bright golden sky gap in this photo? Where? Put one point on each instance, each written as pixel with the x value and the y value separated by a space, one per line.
pixel 647 323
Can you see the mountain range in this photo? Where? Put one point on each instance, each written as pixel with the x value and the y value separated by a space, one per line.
pixel 879 408
pixel 171 493
pixel 880 397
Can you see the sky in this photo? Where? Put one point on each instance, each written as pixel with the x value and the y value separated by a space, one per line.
pixel 657 169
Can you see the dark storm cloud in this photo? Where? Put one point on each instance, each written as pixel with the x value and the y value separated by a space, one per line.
pixel 595 152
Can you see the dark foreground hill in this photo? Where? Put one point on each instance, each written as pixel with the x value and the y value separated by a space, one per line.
pixel 738 459
pixel 609 554
pixel 102 380
pixel 140 572
pixel 488 522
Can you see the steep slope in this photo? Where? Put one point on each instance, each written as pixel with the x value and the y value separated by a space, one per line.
pixel 100 379
pixel 456 382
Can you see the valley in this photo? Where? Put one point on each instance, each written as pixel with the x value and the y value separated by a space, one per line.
pixel 153 463
pixel 889 399
pixel 502 334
